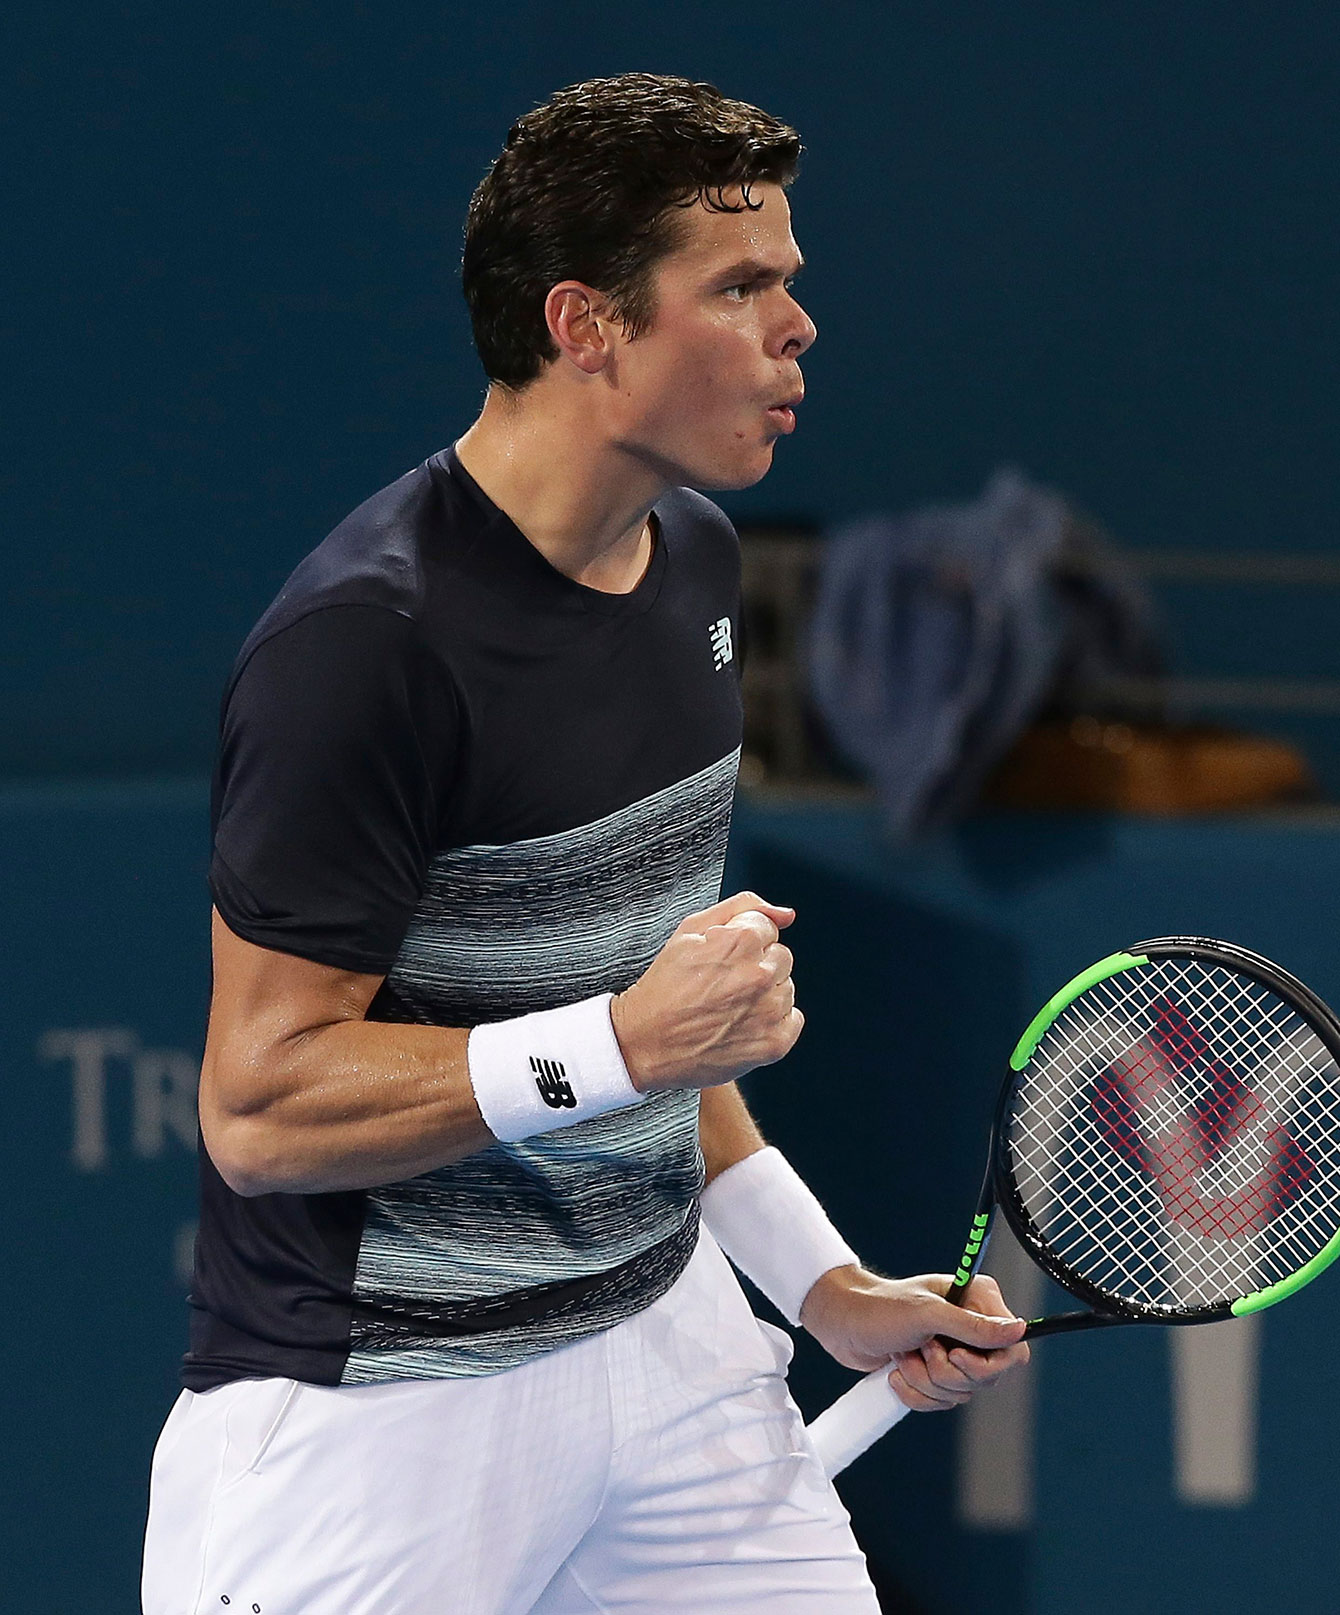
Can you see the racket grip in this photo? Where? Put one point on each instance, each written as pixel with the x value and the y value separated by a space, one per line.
pixel 856 1421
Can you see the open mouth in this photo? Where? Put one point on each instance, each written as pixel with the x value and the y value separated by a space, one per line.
pixel 784 414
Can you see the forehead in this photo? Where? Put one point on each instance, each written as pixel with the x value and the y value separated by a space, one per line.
pixel 710 238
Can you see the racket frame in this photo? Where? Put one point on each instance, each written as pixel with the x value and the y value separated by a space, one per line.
pixel 999 1190
pixel 870 1408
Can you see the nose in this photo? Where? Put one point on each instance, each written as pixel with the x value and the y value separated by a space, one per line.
pixel 796 332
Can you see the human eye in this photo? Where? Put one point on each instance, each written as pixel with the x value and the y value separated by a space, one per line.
pixel 738 292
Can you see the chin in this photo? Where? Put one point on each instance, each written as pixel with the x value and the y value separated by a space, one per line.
pixel 722 478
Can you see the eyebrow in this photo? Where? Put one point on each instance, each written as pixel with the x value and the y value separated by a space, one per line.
pixel 753 269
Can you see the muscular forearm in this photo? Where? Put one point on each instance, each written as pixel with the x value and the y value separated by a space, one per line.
pixel 347 1106
pixel 370 1102
pixel 300 1093
pixel 726 1129
pixel 358 1103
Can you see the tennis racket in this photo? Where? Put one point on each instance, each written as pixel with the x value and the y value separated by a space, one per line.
pixel 1166 1147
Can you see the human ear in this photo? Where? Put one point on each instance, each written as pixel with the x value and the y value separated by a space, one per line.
pixel 580 325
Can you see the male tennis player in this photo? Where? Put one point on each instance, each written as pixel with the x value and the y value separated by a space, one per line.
pixel 460 1345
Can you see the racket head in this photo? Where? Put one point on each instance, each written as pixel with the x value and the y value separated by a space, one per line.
pixel 1167 1144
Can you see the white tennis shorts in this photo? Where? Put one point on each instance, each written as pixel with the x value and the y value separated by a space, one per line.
pixel 659 1466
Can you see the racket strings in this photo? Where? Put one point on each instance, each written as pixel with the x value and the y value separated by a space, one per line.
pixel 1170 1164
pixel 1175 1139
pixel 1181 1154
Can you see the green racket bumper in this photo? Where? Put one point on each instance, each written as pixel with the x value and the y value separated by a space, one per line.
pixel 1261 1299
pixel 1111 966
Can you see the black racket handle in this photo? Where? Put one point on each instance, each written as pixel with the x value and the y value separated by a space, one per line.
pixel 1061 1323
pixel 1069 1323
pixel 956 1296
pixel 978 1239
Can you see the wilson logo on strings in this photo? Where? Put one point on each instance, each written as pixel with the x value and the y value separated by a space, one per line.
pixel 1175 1111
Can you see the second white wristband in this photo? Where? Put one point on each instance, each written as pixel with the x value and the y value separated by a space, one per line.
pixel 766 1219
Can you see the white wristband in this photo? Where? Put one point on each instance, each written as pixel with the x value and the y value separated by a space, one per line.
pixel 548 1070
pixel 770 1225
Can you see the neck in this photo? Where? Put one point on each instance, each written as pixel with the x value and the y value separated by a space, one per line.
pixel 580 500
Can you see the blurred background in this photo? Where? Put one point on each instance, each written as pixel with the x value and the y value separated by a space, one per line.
pixel 1091 250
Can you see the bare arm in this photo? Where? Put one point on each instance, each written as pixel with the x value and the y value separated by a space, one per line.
pixel 726 1130
pixel 865 1321
pixel 299 1093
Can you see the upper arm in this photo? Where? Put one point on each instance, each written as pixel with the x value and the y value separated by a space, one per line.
pixel 264 1004
pixel 337 746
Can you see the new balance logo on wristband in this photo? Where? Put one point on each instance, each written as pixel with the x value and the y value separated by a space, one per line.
pixel 550 1080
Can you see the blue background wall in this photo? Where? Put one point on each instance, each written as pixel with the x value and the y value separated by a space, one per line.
pixel 1098 241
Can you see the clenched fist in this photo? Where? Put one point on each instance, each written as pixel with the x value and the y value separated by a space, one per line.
pixel 716 1001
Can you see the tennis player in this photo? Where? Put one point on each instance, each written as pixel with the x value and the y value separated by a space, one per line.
pixel 464 1340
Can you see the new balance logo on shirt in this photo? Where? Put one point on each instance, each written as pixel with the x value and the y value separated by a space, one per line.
pixel 549 1079
pixel 722 649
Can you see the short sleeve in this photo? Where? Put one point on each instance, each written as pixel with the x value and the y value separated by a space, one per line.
pixel 336 756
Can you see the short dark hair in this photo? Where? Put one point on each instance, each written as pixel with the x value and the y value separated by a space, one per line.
pixel 587 187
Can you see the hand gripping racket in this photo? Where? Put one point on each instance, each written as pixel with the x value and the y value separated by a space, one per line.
pixel 1166 1147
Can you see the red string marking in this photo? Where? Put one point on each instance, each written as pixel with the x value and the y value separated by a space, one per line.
pixel 1228 1106
pixel 1124 1105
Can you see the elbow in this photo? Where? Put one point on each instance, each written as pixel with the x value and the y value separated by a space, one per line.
pixel 242 1150
pixel 241 1096
pixel 248 1186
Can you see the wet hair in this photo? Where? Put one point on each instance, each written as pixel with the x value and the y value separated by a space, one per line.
pixel 591 186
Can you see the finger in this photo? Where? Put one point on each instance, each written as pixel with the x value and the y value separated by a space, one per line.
pixel 944 1370
pixel 777 1007
pixel 916 1375
pixel 985 1368
pixel 780 998
pixel 779 1039
pixel 740 903
pixel 973 1328
pixel 983 1295
pixel 780 960
pixel 752 920
pixel 913 1398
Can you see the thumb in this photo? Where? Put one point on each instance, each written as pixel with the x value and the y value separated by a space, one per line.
pixel 975 1328
pixel 729 908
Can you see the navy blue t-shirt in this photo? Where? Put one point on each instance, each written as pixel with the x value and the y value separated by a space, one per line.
pixel 445 763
